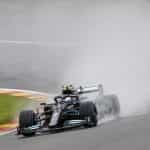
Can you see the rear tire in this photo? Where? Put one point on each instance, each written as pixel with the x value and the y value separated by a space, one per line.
pixel 88 112
pixel 27 118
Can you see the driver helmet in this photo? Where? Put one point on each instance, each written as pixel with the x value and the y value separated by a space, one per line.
pixel 67 89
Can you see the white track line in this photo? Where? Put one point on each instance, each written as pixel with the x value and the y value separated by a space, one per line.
pixel 8 132
pixel 40 43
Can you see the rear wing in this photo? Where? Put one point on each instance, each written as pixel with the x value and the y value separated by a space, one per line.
pixel 97 88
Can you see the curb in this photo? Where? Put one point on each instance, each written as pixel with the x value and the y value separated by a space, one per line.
pixel 8 127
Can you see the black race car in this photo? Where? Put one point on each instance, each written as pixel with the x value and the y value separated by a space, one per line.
pixel 69 110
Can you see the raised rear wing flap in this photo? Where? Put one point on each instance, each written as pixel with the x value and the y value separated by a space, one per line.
pixel 91 89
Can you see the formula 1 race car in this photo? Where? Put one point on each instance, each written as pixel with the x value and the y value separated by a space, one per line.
pixel 69 110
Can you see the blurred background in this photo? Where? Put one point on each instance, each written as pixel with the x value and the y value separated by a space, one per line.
pixel 47 43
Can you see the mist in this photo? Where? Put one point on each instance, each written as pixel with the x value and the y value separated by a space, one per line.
pixel 44 44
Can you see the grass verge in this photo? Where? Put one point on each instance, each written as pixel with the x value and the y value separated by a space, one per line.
pixel 10 106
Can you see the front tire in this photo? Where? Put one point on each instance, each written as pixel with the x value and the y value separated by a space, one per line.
pixel 27 118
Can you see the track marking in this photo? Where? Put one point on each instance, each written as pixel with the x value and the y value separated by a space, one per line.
pixel 8 132
pixel 40 43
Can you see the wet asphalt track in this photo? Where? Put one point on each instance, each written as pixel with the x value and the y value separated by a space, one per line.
pixel 124 134
pixel 92 30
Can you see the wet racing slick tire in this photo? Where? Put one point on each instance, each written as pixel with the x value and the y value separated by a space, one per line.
pixel 27 118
